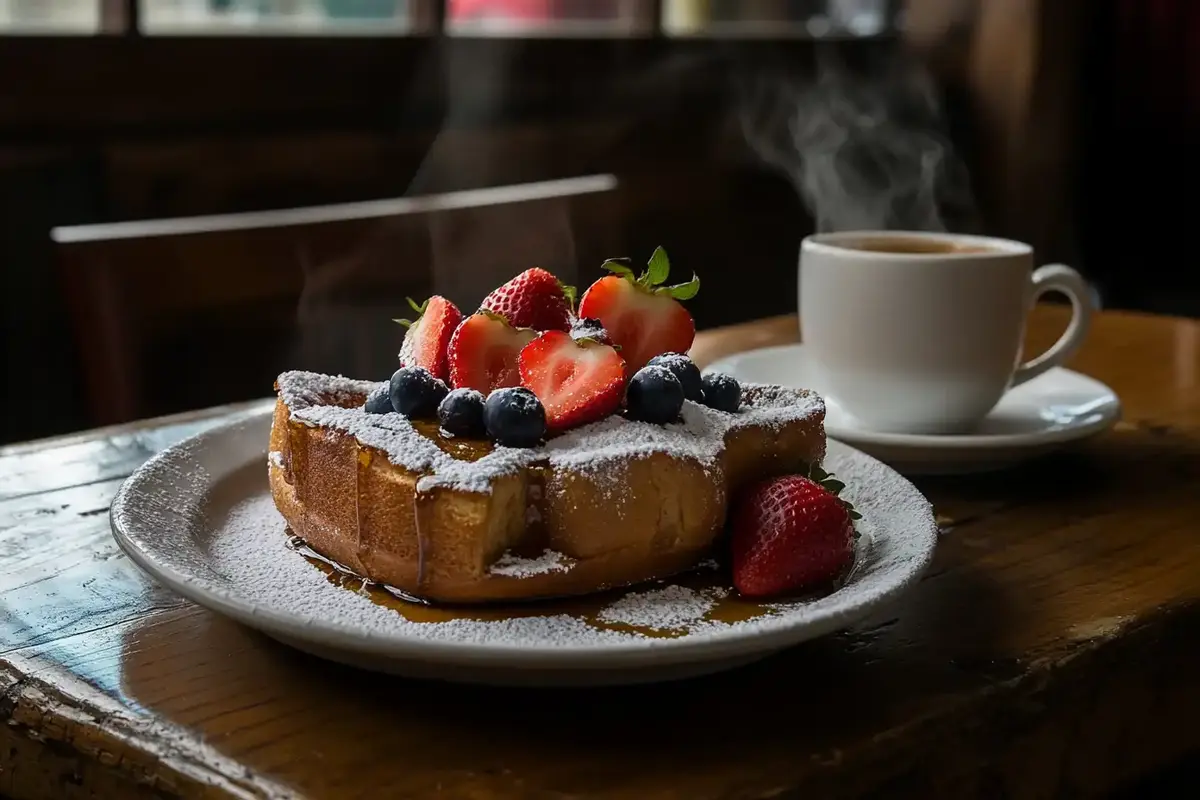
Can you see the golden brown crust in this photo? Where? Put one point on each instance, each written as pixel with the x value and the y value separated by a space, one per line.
pixel 606 521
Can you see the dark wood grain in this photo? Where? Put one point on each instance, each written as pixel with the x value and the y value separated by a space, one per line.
pixel 1050 650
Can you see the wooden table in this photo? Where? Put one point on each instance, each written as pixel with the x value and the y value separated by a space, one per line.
pixel 1051 650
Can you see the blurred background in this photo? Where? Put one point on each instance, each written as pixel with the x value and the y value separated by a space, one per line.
pixel 197 194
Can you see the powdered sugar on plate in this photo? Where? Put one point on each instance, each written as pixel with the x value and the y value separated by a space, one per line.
pixel 200 519
pixel 335 402
pixel 247 547
pixel 671 608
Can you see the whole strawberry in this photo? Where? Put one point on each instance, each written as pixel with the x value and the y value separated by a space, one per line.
pixel 534 299
pixel 791 534
pixel 641 315
pixel 428 337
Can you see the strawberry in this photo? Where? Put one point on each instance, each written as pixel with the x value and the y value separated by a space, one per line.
pixel 643 317
pixel 534 299
pixel 483 352
pixel 428 336
pixel 577 380
pixel 791 533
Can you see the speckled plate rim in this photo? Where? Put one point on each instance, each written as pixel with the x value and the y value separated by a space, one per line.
pixel 154 521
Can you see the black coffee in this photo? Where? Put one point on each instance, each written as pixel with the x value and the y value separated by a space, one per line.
pixel 911 244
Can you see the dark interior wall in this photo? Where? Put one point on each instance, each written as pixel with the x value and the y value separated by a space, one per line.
pixel 121 129
pixel 1141 85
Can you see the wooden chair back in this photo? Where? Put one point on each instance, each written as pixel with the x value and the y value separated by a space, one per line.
pixel 177 314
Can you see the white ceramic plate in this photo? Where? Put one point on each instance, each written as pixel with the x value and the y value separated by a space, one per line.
pixel 199 518
pixel 1053 409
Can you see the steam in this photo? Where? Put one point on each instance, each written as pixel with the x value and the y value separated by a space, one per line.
pixel 865 151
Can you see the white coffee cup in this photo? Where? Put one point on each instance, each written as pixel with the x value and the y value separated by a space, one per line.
pixel 922 333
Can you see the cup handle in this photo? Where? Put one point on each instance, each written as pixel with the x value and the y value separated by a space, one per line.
pixel 1059 278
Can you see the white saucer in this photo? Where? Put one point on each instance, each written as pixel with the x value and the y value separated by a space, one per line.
pixel 199 518
pixel 1057 407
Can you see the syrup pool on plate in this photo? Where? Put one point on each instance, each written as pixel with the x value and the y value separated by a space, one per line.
pixel 709 584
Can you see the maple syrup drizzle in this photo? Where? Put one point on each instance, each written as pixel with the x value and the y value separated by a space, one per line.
pixel 298 457
pixel 711 579
pixel 457 447
pixel 286 455
pixel 421 501
pixel 362 461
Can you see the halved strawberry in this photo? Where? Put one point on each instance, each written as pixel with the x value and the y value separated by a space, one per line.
pixel 534 299
pixel 483 352
pixel 643 317
pixel 577 380
pixel 428 337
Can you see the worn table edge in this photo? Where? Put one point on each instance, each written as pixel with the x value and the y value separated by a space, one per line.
pixel 163 756
pixel 168 757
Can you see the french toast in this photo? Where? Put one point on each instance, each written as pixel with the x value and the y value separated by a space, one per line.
pixel 462 520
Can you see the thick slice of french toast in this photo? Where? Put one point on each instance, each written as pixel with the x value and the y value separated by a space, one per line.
pixel 612 503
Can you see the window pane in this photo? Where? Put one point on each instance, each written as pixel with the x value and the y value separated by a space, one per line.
pixel 259 17
pixel 549 17
pixel 782 18
pixel 49 16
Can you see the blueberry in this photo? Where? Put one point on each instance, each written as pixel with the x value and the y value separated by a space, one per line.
pixel 654 395
pixel 682 368
pixel 379 401
pixel 461 413
pixel 722 392
pixel 415 392
pixel 514 417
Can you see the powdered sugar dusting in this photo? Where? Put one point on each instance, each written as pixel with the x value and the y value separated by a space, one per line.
pixel 673 608
pixel 201 519
pixel 302 389
pixel 275 459
pixel 248 548
pixel 335 402
pixel 513 566
pixel 246 545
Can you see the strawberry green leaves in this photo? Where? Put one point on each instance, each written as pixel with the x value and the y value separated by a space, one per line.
pixel 681 291
pixel 833 486
pixel 658 269
pixel 617 266
pixel 419 308
pixel 569 292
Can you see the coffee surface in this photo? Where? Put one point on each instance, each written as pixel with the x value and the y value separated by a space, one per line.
pixel 911 244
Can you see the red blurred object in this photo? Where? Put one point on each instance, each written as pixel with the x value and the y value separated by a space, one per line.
pixel 508 9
